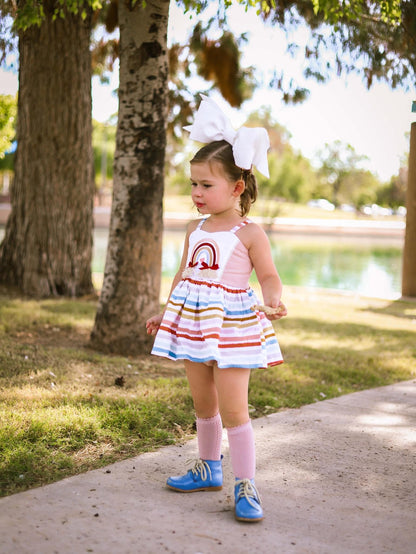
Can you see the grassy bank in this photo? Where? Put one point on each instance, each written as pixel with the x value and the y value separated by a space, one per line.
pixel 65 408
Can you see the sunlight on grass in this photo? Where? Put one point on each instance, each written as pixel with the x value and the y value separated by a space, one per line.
pixel 62 411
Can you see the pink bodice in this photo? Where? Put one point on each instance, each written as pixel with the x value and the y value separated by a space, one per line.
pixel 218 257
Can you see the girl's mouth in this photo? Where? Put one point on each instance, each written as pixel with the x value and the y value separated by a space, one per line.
pixel 199 204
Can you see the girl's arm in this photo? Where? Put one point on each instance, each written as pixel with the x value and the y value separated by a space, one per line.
pixel 257 243
pixel 153 323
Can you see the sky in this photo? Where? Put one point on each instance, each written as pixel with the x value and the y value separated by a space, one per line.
pixel 375 122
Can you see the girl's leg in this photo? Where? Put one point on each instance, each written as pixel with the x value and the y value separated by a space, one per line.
pixel 207 472
pixel 208 420
pixel 204 393
pixel 232 387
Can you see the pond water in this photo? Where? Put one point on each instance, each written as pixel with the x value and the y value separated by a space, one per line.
pixel 370 266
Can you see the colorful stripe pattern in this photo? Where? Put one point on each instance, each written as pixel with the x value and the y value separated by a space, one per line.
pixel 207 321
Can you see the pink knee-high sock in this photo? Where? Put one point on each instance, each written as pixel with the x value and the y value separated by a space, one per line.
pixel 242 450
pixel 209 432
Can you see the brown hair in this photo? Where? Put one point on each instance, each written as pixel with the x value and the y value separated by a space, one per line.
pixel 221 151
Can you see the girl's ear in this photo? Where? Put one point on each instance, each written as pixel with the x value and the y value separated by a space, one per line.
pixel 239 187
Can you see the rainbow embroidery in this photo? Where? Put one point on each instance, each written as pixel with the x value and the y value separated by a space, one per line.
pixel 204 255
pixel 204 260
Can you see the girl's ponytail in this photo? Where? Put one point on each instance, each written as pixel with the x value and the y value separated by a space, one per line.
pixel 249 195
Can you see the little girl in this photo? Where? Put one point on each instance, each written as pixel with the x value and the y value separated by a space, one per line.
pixel 213 320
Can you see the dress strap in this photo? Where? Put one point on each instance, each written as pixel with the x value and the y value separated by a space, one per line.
pixel 240 225
pixel 203 220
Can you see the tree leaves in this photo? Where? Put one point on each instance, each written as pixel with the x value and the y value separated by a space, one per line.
pixel 8 110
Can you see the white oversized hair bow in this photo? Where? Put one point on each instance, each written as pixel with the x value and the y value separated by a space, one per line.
pixel 249 144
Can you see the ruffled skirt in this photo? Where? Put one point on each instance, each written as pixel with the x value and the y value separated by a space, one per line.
pixel 205 321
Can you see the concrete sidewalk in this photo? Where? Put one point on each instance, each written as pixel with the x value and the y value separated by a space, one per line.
pixel 338 476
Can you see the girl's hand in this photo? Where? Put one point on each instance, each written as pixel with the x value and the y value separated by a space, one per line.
pixel 282 312
pixel 153 323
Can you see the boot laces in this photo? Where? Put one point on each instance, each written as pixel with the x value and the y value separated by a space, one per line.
pixel 248 490
pixel 200 468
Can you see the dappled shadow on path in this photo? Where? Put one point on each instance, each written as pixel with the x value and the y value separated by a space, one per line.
pixel 342 470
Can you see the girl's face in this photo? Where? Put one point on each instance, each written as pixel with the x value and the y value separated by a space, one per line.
pixel 212 192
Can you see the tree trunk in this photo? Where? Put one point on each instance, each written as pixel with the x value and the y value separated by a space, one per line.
pixel 131 286
pixel 409 251
pixel 47 247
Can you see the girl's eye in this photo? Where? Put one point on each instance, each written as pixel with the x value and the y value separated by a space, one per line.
pixel 206 186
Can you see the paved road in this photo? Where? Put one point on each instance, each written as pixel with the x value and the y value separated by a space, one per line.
pixel 336 477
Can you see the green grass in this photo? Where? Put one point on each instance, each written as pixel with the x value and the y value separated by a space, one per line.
pixel 62 413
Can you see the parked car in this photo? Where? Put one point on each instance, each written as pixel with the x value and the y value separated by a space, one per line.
pixel 375 209
pixel 322 204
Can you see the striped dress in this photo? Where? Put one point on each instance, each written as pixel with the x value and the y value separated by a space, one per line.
pixel 208 316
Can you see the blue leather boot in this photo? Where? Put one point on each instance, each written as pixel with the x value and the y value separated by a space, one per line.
pixel 247 501
pixel 206 475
